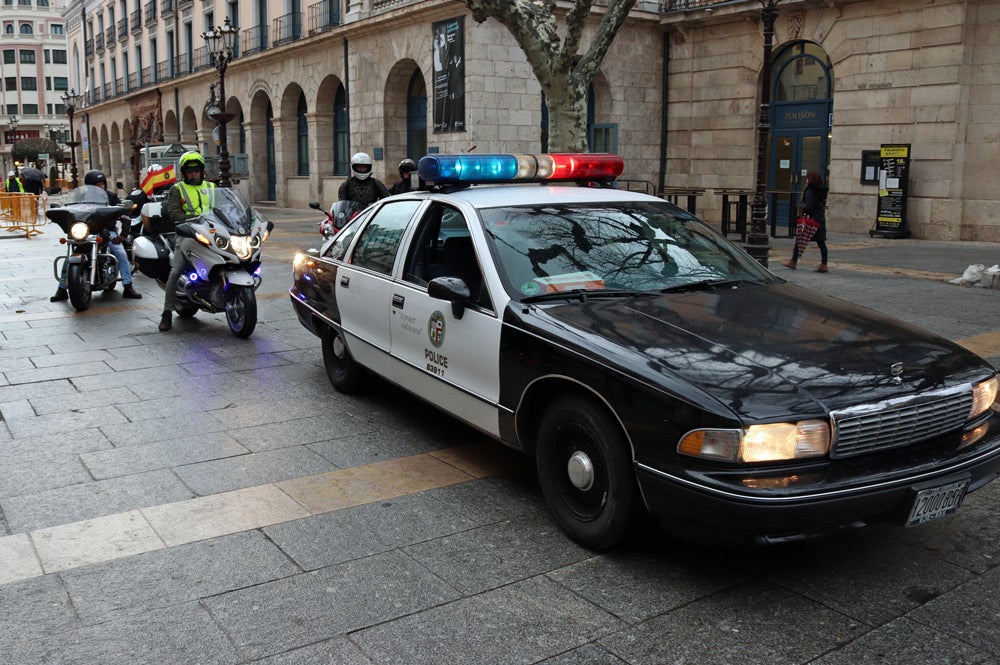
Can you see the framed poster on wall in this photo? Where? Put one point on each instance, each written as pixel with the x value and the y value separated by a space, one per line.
pixel 893 185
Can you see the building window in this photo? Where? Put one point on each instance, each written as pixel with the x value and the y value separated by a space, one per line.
pixel 60 83
pixel 341 142
pixel 29 109
pixel 302 135
pixel 27 57
pixel 29 83
pixel 27 29
pixel 8 56
pixel 603 137
pixel 59 56
pixel 56 29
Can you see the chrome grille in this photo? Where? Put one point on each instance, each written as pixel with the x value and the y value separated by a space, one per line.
pixel 871 429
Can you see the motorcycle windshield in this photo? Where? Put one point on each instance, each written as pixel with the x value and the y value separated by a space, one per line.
pixel 82 194
pixel 233 211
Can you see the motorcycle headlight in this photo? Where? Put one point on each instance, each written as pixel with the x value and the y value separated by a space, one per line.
pixel 222 243
pixel 241 246
pixel 255 242
pixel 79 231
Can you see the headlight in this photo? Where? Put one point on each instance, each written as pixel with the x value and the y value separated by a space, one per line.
pixel 773 442
pixel 79 231
pixel 222 242
pixel 983 396
pixel 241 246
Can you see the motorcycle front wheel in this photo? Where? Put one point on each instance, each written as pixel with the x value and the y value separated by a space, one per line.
pixel 78 285
pixel 241 310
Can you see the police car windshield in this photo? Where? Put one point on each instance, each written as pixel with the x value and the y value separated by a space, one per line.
pixel 622 247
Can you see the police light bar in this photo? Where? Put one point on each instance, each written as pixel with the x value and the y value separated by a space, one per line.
pixel 497 169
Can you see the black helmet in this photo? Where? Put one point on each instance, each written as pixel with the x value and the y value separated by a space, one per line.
pixel 138 197
pixel 407 166
pixel 95 177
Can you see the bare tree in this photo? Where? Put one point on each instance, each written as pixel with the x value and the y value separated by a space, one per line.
pixel 562 71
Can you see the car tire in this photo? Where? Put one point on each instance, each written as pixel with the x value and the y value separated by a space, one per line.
pixel 586 472
pixel 345 375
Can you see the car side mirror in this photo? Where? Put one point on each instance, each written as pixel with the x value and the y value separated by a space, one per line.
pixel 452 289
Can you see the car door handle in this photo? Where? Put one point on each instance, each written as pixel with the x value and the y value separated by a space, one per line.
pixel 345 281
pixel 397 301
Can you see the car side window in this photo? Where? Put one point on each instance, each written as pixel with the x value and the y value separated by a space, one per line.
pixel 379 241
pixel 443 247
pixel 338 248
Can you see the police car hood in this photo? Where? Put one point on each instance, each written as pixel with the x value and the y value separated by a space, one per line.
pixel 766 351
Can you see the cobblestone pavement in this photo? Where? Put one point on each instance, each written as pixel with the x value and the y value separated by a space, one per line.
pixel 187 497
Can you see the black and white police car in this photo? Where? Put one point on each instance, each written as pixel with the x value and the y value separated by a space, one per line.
pixel 645 362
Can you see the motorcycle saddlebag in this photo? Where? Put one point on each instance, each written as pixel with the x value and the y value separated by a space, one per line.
pixel 151 257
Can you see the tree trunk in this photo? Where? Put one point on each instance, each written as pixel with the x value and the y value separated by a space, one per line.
pixel 563 73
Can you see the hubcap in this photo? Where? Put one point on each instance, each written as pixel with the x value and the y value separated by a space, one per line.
pixel 338 347
pixel 581 471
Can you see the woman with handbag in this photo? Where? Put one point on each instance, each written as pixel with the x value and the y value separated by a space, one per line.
pixel 812 224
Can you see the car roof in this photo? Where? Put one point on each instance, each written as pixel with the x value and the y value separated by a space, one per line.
pixel 494 196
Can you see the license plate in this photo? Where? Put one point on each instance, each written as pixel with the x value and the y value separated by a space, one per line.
pixel 935 502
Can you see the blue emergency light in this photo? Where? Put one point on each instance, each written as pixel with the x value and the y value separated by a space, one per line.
pixel 500 169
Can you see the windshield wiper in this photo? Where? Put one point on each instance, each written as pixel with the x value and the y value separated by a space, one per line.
pixel 707 285
pixel 584 294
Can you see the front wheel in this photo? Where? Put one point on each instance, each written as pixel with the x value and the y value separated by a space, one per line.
pixel 585 472
pixel 345 374
pixel 241 311
pixel 78 285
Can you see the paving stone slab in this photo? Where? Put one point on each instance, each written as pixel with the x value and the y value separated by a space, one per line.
pixel 301 431
pixel 969 614
pixel 239 471
pixel 498 554
pixel 179 634
pixel 362 531
pixel 278 616
pixel 175 575
pixel 904 641
pixel 521 623
pixel 781 626
pixel 94 499
pixel 161 454
pixel 338 651
pixel 33 608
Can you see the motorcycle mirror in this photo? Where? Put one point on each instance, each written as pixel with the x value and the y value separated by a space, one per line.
pixel 314 205
pixel 184 229
pixel 119 185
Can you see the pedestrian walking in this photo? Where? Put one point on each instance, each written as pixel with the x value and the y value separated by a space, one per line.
pixel 814 207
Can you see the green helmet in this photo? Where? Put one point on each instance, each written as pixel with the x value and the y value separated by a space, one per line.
pixel 191 158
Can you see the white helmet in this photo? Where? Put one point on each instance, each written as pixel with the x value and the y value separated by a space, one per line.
pixel 361 165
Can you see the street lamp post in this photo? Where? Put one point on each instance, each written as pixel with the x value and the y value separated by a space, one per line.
pixel 757 237
pixel 13 121
pixel 221 42
pixel 71 100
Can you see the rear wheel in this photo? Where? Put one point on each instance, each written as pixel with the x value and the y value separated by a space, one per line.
pixel 585 471
pixel 241 311
pixel 78 285
pixel 346 375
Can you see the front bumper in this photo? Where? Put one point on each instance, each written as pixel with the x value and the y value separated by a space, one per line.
pixel 807 508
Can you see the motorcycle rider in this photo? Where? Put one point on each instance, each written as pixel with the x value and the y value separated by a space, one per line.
pixel 98 179
pixel 406 167
pixel 361 188
pixel 188 198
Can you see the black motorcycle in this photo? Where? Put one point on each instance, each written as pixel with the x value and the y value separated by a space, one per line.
pixel 87 220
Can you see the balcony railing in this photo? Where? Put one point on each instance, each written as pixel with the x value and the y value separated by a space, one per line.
pixel 164 71
pixel 150 12
pixel 322 16
pixel 136 20
pixel 287 28
pixel 109 35
pixel 166 8
pixel 253 40
pixel 88 48
pixel 146 75
pixel 123 30
pixel 98 43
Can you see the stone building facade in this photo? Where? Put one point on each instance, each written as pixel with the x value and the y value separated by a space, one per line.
pixel 677 96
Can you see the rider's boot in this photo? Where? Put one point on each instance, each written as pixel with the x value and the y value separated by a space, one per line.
pixel 129 292
pixel 165 321
pixel 60 295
